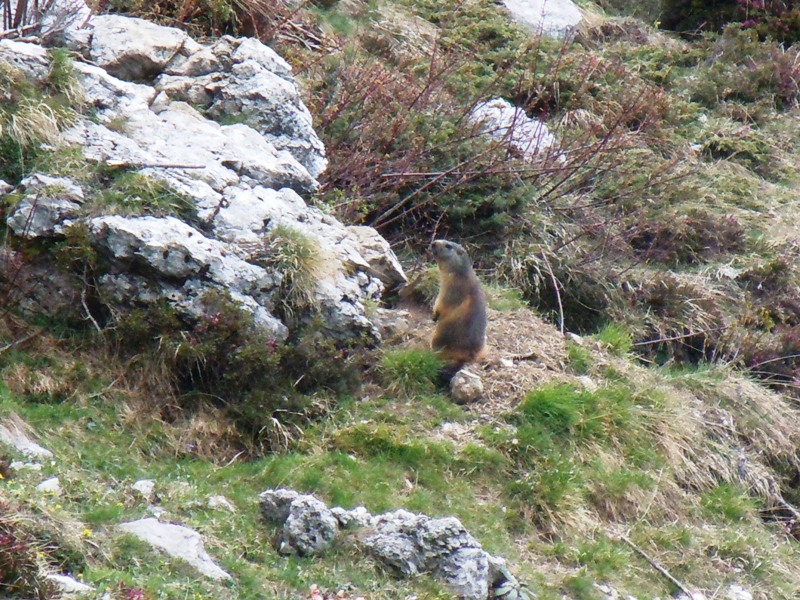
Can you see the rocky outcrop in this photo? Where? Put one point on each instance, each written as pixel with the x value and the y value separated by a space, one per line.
pixel 240 179
pixel 408 543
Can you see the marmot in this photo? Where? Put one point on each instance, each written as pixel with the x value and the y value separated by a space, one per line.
pixel 460 309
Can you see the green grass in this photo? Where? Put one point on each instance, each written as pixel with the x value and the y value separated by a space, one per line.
pixel 411 372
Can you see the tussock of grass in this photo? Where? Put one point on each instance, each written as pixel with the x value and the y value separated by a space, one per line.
pixel 410 372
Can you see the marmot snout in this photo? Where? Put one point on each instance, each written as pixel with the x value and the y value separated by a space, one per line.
pixel 460 309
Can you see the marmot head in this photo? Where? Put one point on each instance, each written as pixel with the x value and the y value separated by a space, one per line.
pixel 451 257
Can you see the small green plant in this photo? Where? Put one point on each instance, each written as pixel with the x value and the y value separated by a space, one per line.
pixel 410 372
pixel 138 194
pixel 730 502
pixel 580 359
pixel 616 338
pixel 301 262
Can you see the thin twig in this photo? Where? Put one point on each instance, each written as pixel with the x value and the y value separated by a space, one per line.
pixel 558 293
pixel 86 306
pixel 135 165
pixel 679 337
pixel 21 340
pixel 655 564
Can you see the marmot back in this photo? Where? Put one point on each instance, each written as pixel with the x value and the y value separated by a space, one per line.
pixel 460 309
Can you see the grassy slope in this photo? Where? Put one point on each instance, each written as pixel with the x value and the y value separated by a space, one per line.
pixel 687 463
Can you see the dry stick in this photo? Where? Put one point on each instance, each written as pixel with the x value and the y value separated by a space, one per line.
pixel 680 337
pixel 558 294
pixel 122 163
pixel 655 564
pixel 21 340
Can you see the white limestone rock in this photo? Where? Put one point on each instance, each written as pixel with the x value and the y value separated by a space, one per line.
pixel 50 486
pixel 146 488
pixel 66 23
pixel 220 503
pixel 177 541
pixel 31 59
pixel 133 49
pixel 243 76
pixel 69 586
pixel 13 434
pixel 526 136
pixel 554 18
pixel 47 204
pixel 183 264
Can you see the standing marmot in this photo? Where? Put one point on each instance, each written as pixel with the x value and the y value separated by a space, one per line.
pixel 460 309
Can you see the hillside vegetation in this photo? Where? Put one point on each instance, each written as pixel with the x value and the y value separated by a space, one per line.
pixel 660 232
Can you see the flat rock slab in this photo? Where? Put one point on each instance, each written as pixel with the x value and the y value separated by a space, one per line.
pixel 12 434
pixel 178 542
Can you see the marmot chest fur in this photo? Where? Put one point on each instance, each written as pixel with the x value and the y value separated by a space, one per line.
pixel 460 309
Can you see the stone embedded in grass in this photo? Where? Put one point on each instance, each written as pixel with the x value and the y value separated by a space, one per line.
pixel 466 387
pixel 555 18
pixel 178 542
pixel 310 527
pixel 146 488
pixel 12 434
pixel 50 486
pixel 276 504
pixel 528 137
pixel 5 187
pixel 69 586
pixel 406 542
pixel 220 502
pixel 351 519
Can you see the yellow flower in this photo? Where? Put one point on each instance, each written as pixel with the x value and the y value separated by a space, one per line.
pixel 87 532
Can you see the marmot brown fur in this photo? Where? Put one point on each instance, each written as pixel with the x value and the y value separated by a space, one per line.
pixel 460 309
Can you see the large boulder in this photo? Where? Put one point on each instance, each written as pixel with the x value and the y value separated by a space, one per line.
pixel 133 49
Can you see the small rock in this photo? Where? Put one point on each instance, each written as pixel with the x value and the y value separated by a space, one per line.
pixel 381 260
pixel 220 502
pixel 275 504
pixel 351 519
pixel 68 585
pixel 50 486
pixel 466 573
pixel 177 541
pixel 466 387
pixel 156 511
pixel 146 489
pixel 737 592
pixel 526 136
pixel 310 527
pixel 5 187
pixel 588 383
pixel 18 465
